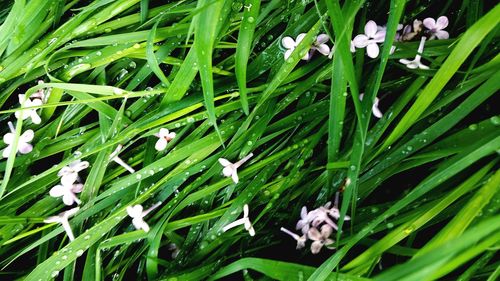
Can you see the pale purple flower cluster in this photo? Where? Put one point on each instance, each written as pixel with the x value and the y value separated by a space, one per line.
pixel 317 226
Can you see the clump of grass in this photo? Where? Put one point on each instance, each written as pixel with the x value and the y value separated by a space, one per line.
pixel 155 96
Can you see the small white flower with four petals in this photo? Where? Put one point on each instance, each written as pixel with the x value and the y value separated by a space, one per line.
pixel 230 169
pixel 164 136
pixel 290 44
pixel 62 218
pixel 69 174
pixel 23 145
pixel 372 36
pixel 415 63
pixel 67 192
pixel 320 238
pixel 27 113
pixel 435 27
pixel 137 214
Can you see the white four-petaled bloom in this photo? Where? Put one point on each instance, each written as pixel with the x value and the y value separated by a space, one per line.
pixel 301 240
pixel 67 192
pixel 416 63
pixel 320 45
pixel 137 214
pixel 375 110
pixel 114 157
pixel 436 27
pixel 230 169
pixel 290 44
pixel 62 218
pixel 69 174
pixel 23 145
pixel 164 136
pixel 245 221
pixel 320 238
pixel 29 113
pixel 372 36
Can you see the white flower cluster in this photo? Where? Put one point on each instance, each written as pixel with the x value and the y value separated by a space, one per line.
pixel 70 182
pixel 317 226
pixel 319 45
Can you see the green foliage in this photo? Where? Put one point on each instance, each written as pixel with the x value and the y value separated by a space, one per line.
pixel 421 184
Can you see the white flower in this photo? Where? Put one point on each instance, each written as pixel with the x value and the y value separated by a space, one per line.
pixel 305 220
pixel 41 94
pixel 375 110
pixel 23 145
pixel 164 136
pixel 26 113
pixel 301 240
pixel 414 64
pixel 290 44
pixel 230 169
pixel 69 174
pixel 137 214
pixel 320 238
pixel 436 27
pixel 370 39
pixel 114 156
pixel 62 218
pixel 320 46
pixel 67 192
pixel 245 221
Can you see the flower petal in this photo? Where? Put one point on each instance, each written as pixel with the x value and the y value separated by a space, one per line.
pixel 288 53
pixel 441 23
pixel 326 231
pixel 360 41
pixel 27 136
pixel 163 132
pixel 316 247
pixel 303 212
pixel 6 151
pixel 441 34
pixel 138 222
pixel 78 165
pixel 322 38
pixel 246 211
pixel 370 28
pixel 300 37
pixel 224 162
pixel 288 42
pixel 323 49
pixel 405 61
pixel 69 179
pixel 135 211
pixel 161 144
pixel 8 138
pixel 376 112
pixel 57 191
pixel 68 199
pixel 372 50
pixel 24 148
pixel 429 23
pixel 77 188
pixel 234 176
pixel 35 118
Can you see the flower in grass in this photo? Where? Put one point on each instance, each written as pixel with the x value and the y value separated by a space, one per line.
pixel 164 136
pixel 67 192
pixel 23 145
pixel 41 94
pixel 375 110
pixel 435 27
pixel 290 44
pixel 137 214
pixel 320 238
pixel 114 157
pixel 415 63
pixel 370 39
pixel 29 113
pixel 69 174
pixel 320 45
pixel 245 221
pixel 408 34
pixel 230 169
pixel 62 218
pixel 301 240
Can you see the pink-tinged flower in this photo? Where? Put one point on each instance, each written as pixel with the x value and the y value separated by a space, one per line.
pixel 29 113
pixel 320 238
pixel 320 46
pixel 288 43
pixel 67 192
pixel 62 218
pixel 230 169
pixel 415 63
pixel 137 214
pixel 23 145
pixel 164 136
pixel 301 240
pixel 69 174
pixel 435 28
pixel 245 221
pixel 370 39
pixel 375 110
